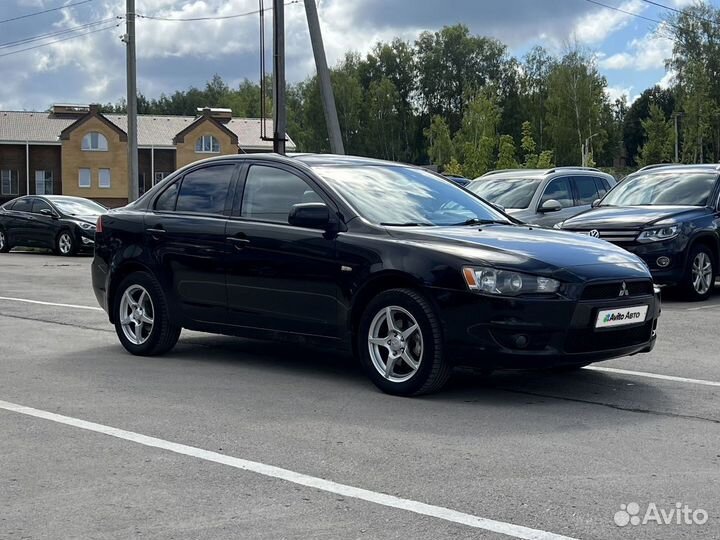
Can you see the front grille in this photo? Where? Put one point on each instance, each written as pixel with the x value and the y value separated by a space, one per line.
pixel 618 236
pixel 588 340
pixel 608 291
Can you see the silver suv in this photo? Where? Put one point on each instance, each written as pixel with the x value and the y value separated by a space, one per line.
pixel 543 196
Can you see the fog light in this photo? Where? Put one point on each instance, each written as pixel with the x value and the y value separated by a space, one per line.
pixel 663 262
pixel 521 341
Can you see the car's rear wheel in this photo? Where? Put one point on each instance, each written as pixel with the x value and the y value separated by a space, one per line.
pixel 142 319
pixel 700 274
pixel 65 244
pixel 4 245
pixel 400 344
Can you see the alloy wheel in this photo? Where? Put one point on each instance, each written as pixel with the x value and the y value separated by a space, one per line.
pixel 395 342
pixel 65 243
pixel 702 273
pixel 137 314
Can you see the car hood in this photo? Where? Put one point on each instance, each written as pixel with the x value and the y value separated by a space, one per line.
pixel 615 217
pixel 529 249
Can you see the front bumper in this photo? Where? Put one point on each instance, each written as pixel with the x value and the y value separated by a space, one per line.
pixel 673 250
pixel 527 333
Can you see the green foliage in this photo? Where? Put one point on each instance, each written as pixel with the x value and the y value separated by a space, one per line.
pixel 479 158
pixel 440 146
pixel 506 153
pixel 546 159
pixel 659 138
pixel 528 146
pixel 453 168
pixel 633 133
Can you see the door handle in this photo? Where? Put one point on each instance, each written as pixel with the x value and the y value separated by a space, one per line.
pixel 238 241
pixel 156 232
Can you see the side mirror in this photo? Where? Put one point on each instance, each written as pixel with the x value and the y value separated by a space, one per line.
pixel 551 205
pixel 48 212
pixel 310 216
pixel 595 203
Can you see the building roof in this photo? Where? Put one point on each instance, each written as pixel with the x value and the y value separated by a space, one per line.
pixel 43 127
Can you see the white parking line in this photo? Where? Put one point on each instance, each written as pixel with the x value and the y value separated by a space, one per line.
pixel 25 300
pixel 653 375
pixel 501 527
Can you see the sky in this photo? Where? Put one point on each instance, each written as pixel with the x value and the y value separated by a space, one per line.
pixel 174 55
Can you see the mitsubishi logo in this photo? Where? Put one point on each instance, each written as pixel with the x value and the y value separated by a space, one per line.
pixel 594 233
pixel 624 290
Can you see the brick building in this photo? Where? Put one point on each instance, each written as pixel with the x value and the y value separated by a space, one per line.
pixel 76 150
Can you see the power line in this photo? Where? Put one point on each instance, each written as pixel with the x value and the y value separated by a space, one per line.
pixel 626 12
pixel 45 11
pixel 40 37
pixel 209 18
pixel 679 11
pixel 60 40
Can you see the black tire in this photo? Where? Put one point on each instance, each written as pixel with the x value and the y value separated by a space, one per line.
pixel 163 334
pixel 65 238
pixel 4 245
pixel 433 370
pixel 688 286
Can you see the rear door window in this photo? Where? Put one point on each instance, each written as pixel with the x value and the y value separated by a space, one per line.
pixel 587 191
pixel 167 199
pixel 205 191
pixel 559 190
pixel 23 205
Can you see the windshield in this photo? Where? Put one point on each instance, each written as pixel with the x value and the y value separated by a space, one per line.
pixel 515 193
pixel 78 207
pixel 397 195
pixel 663 188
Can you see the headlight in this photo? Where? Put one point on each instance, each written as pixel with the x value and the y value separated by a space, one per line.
pixel 85 226
pixel 507 283
pixel 659 233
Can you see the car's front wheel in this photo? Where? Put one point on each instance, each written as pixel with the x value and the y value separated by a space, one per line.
pixel 65 244
pixel 142 319
pixel 400 344
pixel 700 274
pixel 4 245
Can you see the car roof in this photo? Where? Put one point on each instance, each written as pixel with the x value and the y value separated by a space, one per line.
pixel 679 167
pixel 540 173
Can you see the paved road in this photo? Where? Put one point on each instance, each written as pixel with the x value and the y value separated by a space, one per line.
pixel 551 453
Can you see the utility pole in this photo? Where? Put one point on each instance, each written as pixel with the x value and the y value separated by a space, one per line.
pixel 677 141
pixel 133 173
pixel 279 111
pixel 326 91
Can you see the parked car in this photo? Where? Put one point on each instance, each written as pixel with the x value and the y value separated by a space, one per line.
pixel 670 217
pixel 544 196
pixel 459 180
pixel 411 271
pixel 64 224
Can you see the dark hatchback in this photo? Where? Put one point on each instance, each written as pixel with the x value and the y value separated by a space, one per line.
pixel 412 272
pixel 670 217
pixel 61 223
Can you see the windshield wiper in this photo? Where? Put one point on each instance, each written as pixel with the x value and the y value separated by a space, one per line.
pixel 408 224
pixel 478 221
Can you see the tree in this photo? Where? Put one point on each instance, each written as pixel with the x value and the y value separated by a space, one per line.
pixel 440 146
pixel 506 153
pixel 528 146
pixel 453 168
pixel 384 127
pixel 659 138
pixel 546 160
pixel 633 134
pixel 536 68
pixel 479 157
pixel 699 110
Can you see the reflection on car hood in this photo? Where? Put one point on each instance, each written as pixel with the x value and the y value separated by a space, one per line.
pixel 89 218
pixel 529 249
pixel 616 217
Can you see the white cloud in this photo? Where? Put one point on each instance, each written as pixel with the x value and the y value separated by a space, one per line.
pixel 646 53
pixel 668 80
pixel 617 92
pixel 596 26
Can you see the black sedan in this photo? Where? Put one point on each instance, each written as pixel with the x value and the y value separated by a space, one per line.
pixel 412 272
pixel 64 224
pixel 670 217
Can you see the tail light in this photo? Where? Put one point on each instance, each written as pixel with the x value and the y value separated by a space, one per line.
pixel 98 225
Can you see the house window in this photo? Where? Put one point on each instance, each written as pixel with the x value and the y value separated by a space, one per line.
pixel 43 182
pixel 104 178
pixel 94 142
pixel 159 177
pixel 9 183
pixel 207 144
pixel 84 179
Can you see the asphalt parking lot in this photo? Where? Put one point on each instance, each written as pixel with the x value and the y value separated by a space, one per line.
pixel 229 438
